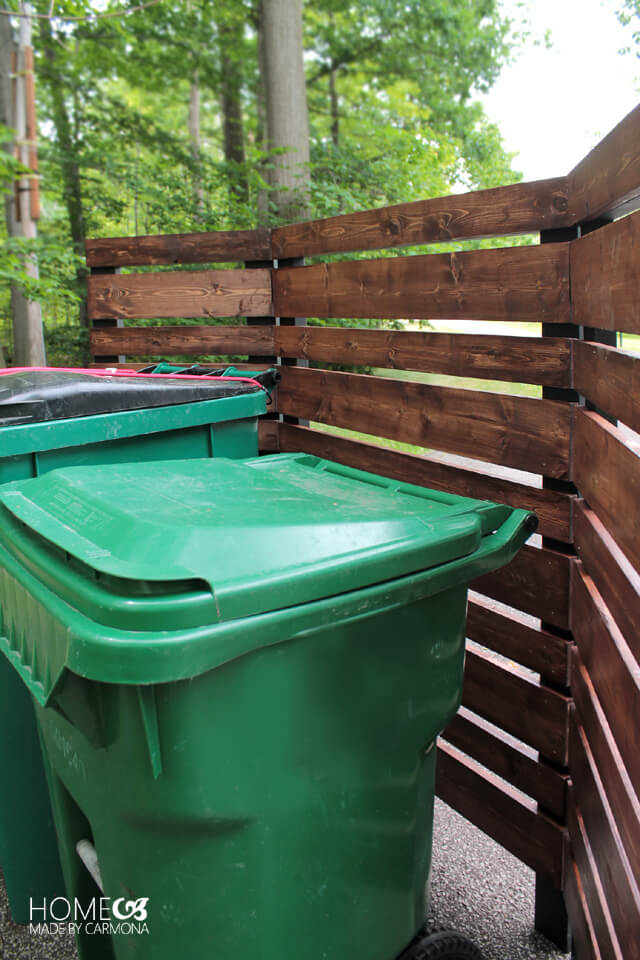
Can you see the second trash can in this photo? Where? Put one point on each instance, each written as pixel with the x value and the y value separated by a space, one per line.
pixel 51 418
pixel 240 674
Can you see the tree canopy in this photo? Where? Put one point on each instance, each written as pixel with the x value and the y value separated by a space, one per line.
pixel 157 121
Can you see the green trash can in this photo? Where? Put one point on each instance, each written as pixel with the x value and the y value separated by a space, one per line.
pixel 53 418
pixel 240 674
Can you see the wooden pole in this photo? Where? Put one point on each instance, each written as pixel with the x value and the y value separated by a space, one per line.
pixel 28 338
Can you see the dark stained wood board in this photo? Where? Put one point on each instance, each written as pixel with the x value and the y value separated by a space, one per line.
pixel 514 283
pixel 516 359
pixel 499 811
pixel 268 436
pixel 617 785
pixel 216 247
pixel 608 179
pixel 600 915
pixel 516 764
pixel 551 507
pixel 607 474
pixel 515 703
pixel 536 581
pixel 605 274
pixel 620 889
pixel 504 633
pixel 584 945
pixel 499 211
pixel 180 293
pixel 616 579
pixel 612 668
pixel 521 432
pixel 183 340
pixel 610 379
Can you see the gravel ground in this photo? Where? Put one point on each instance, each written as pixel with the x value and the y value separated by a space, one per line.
pixel 477 888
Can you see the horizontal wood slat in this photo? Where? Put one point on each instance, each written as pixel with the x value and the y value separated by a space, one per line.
pixel 620 890
pixel 500 211
pixel 516 359
pixel 521 432
pixel 534 648
pixel 536 581
pixel 604 936
pixel 492 691
pixel 617 785
pixel 605 275
pixel 183 340
pixel 613 670
pixel 609 379
pixel 516 764
pixel 583 937
pixel 608 179
pixel 552 508
pixel 202 293
pixel 617 581
pixel 607 474
pixel 499 811
pixel 516 283
pixel 217 247
pixel 207 366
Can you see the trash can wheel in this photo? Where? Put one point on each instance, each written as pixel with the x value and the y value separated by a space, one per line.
pixel 442 945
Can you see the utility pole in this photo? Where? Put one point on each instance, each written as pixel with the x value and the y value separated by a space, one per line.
pixel 23 213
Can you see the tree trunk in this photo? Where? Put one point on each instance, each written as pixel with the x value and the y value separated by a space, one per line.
pixel 28 337
pixel 286 103
pixel 335 116
pixel 68 153
pixel 231 104
pixel 196 143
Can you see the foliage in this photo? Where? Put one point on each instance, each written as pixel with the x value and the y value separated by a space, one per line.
pixel 392 89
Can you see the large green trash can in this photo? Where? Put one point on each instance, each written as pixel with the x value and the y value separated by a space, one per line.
pixel 53 418
pixel 240 674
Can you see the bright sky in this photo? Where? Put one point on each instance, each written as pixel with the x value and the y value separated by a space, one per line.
pixel 553 106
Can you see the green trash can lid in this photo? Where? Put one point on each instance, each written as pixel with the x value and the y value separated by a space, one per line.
pixel 203 541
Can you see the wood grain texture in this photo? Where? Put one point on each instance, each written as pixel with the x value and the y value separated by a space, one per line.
pixel 616 579
pixel 583 946
pixel 515 359
pixel 202 293
pixel 617 785
pixel 534 648
pixel 516 764
pixel 552 508
pixel 609 379
pixel 500 211
pixel 218 247
pixel 268 436
pixel 499 811
pixel 607 474
pixel 604 935
pixel 516 283
pixel 605 274
pixel 182 340
pixel 619 887
pixel 521 432
pixel 608 179
pixel 515 703
pixel 536 581
pixel 612 668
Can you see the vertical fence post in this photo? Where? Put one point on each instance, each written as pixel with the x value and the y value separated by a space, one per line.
pixel 551 917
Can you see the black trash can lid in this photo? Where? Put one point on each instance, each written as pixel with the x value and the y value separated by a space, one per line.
pixel 34 396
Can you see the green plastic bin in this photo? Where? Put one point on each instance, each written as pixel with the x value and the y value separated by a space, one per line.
pixel 240 674
pixel 182 418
